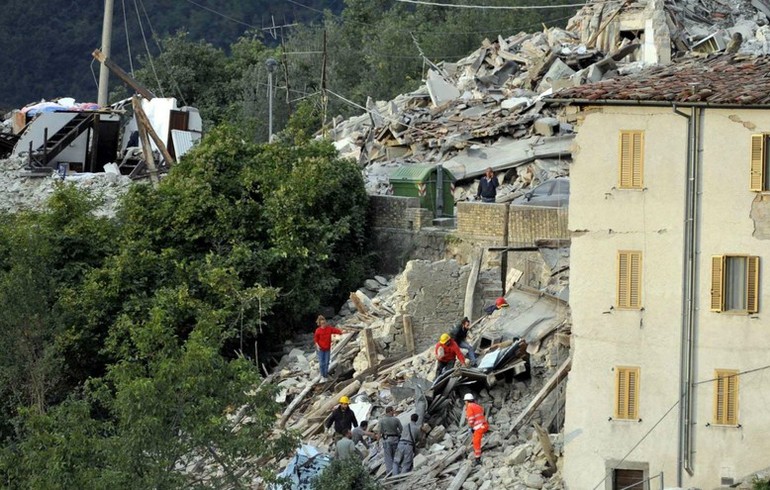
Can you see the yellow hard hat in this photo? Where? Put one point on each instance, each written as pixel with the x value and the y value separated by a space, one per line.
pixel 444 338
pixel 345 400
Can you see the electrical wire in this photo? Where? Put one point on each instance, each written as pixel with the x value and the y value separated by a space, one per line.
pixel 128 40
pixel 493 7
pixel 225 16
pixel 711 380
pixel 147 48
pixel 388 118
pixel 160 53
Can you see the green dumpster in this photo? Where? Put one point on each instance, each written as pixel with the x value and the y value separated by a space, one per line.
pixel 420 181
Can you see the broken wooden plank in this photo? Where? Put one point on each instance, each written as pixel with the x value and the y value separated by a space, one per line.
pixel 409 334
pixel 370 348
pixel 560 374
pixel 462 475
pixel 470 287
pixel 545 442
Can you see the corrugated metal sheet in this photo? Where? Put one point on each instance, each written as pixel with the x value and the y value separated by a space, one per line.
pixel 183 141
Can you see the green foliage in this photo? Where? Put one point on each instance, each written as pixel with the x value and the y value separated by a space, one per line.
pixel 760 484
pixel 125 365
pixel 345 474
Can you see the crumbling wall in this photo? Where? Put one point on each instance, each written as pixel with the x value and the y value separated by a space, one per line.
pixel 760 214
pixel 393 248
pixel 435 295
pixel 391 211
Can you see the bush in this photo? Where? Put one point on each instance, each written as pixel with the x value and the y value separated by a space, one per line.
pixel 760 484
pixel 345 474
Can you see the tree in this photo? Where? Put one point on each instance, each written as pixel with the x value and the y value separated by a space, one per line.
pixel 344 474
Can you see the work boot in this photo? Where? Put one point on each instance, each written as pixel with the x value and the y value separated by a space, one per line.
pixel 477 461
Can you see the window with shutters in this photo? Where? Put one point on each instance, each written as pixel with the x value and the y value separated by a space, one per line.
pixel 759 175
pixel 626 393
pixel 735 283
pixel 629 290
pixel 623 479
pixel 725 397
pixel 631 159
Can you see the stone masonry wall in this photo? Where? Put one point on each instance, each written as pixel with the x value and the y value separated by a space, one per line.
pixel 435 293
pixel 483 220
pixel 391 211
pixel 527 224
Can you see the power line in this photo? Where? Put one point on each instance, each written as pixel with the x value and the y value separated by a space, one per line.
pixel 666 414
pixel 225 16
pixel 493 7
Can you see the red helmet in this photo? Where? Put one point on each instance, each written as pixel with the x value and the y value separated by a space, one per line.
pixel 501 303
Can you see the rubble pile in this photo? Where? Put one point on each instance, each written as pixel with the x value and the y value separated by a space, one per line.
pixel 492 98
pixel 516 380
pixel 21 191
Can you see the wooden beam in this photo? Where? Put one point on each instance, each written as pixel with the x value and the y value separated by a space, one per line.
pixel 149 159
pixel 409 334
pixel 470 287
pixel 560 374
pixel 118 71
pixel 142 119
pixel 370 348
pixel 545 442
pixel 462 475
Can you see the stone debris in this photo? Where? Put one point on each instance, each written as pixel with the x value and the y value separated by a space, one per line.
pixel 468 108
pixel 513 381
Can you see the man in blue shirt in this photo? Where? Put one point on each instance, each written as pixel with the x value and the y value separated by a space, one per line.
pixel 488 187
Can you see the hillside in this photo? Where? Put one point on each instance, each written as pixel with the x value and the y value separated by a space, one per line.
pixel 47 44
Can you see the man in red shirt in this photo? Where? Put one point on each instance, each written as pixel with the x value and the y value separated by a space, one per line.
pixel 323 344
pixel 474 414
pixel 446 352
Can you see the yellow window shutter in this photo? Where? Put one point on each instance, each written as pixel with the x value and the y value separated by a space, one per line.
pixel 637 152
pixel 752 284
pixel 726 397
pixel 731 404
pixel 633 393
pixel 717 282
pixel 623 276
pixel 635 280
pixel 626 176
pixel 758 150
pixel 629 286
pixel 621 392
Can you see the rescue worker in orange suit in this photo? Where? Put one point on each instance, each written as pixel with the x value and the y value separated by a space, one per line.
pixel 447 351
pixel 474 413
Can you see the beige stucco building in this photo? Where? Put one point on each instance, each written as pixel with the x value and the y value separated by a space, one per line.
pixel 670 224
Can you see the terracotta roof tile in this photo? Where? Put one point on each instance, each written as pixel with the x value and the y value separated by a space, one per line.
pixel 718 80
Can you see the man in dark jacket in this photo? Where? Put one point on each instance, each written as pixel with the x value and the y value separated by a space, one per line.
pixel 488 185
pixel 343 419
pixel 460 334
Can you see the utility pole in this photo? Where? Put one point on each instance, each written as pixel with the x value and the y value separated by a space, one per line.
pixel 324 95
pixel 104 72
pixel 271 65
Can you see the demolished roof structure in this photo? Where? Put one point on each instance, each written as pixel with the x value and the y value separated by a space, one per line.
pixel 487 109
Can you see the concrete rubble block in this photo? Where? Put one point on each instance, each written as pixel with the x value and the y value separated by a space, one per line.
pixel 381 280
pixel 487 485
pixel 546 126
pixel 470 485
pixel 439 89
pixel 436 435
pixel 558 71
pixel 419 460
pixel 514 103
pixel 372 285
pixel 533 480
pixel 519 455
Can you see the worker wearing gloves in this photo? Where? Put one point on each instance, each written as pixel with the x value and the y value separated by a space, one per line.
pixel 343 419
pixel 460 335
pixel 474 413
pixel 390 431
pixel 446 352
